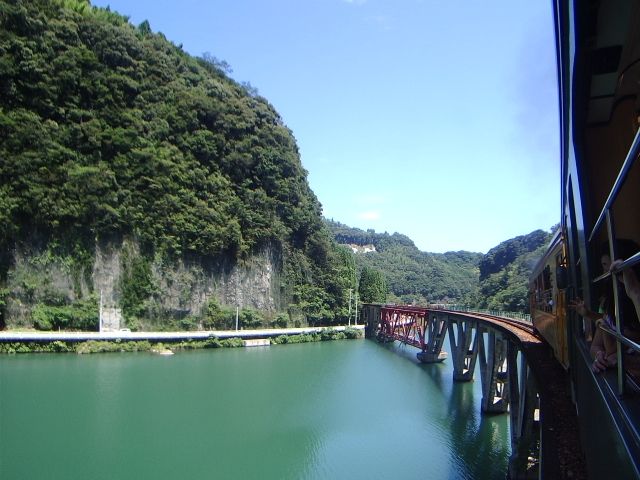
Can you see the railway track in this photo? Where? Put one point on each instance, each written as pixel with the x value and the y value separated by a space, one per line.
pixel 524 330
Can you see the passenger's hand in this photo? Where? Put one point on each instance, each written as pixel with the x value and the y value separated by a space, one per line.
pixel 615 265
pixel 629 279
pixel 578 306
pixel 600 364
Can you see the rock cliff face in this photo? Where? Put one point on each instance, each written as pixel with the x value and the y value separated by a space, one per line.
pixel 179 289
pixel 187 286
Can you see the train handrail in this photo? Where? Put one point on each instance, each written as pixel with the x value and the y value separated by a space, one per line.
pixel 628 263
pixel 628 342
pixel 632 261
pixel 622 176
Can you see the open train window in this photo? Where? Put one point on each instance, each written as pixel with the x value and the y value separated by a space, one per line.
pixel 610 145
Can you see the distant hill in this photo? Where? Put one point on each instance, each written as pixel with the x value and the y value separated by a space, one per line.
pixel 413 275
pixel 497 280
pixel 505 270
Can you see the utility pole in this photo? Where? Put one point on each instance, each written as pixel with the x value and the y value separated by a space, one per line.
pixel 237 308
pixel 356 317
pixel 100 314
pixel 349 316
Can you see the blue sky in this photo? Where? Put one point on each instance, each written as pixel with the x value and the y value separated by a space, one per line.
pixel 432 118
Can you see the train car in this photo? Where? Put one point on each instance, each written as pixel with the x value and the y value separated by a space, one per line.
pixel 598 52
pixel 547 297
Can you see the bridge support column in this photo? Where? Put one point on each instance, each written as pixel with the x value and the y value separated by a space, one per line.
pixel 493 372
pixel 464 348
pixel 524 413
pixel 436 330
pixel 370 317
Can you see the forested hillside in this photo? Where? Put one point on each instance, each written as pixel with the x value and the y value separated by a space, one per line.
pixel 497 280
pixel 110 132
pixel 412 275
pixel 505 270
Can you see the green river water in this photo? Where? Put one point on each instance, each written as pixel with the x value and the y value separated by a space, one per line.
pixel 350 409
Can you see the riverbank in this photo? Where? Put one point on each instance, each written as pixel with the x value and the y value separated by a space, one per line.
pixel 125 341
pixel 35 336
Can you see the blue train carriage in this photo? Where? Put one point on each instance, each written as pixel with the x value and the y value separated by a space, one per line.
pixel 598 52
pixel 547 297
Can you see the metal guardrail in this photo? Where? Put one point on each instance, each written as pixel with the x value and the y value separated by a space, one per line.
pixel 498 313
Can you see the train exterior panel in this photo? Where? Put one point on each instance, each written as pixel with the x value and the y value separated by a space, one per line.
pixel 598 53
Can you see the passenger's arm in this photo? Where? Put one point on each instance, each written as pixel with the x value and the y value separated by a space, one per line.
pixel 580 308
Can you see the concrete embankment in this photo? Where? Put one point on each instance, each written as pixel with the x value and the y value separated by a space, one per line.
pixel 9 336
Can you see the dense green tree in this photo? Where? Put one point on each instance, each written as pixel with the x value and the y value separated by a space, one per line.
pixel 373 287
pixel 110 129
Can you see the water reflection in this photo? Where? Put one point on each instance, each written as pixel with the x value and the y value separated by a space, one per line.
pixel 477 441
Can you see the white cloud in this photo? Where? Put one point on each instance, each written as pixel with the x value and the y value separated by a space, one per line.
pixel 370 215
pixel 355 2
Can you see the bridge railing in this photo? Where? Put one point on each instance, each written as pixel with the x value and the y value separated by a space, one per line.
pixel 500 313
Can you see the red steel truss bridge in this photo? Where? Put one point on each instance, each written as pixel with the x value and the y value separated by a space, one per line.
pixel 413 326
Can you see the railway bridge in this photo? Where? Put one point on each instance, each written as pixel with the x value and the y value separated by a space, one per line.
pixel 518 372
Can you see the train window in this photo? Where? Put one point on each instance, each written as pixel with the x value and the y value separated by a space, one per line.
pixel 616 336
pixel 610 145
pixel 542 295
